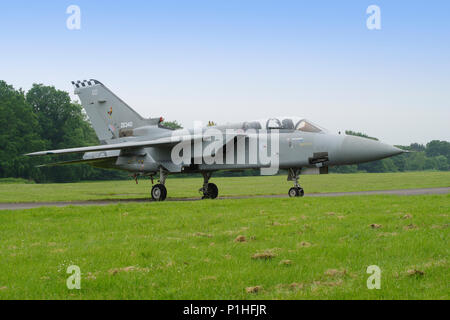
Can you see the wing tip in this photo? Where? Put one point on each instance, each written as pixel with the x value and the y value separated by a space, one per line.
pixel 40 153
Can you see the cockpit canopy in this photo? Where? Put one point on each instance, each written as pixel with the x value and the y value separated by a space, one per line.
pixel 288 123
pixel 306 126
pixel 280 123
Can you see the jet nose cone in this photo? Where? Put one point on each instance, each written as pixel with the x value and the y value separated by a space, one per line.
pixel 357 150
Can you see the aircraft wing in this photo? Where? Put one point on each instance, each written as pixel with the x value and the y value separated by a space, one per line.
pixel 83 161
pixel 118 146
pixel 162 142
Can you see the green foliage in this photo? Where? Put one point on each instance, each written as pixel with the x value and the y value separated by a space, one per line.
pixel 43 118
pixel 19 133
pixel 15 181
pixel 437 148
pixel 415 147
pixel 172 125
pixel 442 163
pixel 345 169
pixel 359 134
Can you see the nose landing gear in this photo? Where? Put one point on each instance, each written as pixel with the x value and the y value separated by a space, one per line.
pixel 159 191
pixel 297 190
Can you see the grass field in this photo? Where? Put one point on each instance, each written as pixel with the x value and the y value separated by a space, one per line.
pixel 283 248
pixel 309 248
pixel 177 187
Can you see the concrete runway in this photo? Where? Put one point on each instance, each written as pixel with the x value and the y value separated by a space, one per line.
pixel 404 192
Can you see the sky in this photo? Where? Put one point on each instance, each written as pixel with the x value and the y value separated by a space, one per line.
pixel 231 61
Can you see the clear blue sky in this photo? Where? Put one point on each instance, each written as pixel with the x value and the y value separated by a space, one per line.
pixel 237 60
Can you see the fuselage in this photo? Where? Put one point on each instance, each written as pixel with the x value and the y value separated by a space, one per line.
pixel 278 143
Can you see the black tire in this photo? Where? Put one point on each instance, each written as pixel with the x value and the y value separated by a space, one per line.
pixel 296 192
pixel 212 192
pixel 301 192
pixel 159 192
pixel 293 192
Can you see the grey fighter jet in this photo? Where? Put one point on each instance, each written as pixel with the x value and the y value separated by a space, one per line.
pixel 145 147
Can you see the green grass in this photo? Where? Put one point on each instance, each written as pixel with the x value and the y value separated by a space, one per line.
pixel 15 180
pixel 188 187
pixel 187 250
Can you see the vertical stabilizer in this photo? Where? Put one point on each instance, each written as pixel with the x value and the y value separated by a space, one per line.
pixel 107 112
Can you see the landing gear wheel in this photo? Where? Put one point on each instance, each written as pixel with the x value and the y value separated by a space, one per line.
pixel 296 192
pixel 293 192
pixel 301 192
pixel 212 191
pixel 159 192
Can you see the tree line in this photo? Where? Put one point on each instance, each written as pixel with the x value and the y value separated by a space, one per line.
pixel 44 118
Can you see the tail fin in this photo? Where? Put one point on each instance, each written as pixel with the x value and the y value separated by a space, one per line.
pixel 107 112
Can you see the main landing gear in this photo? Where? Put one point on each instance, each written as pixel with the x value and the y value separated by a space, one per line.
pixel 159 191
pixel 209 190
pixel 297 190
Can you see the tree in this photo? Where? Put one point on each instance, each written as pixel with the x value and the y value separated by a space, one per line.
pixel 436 148
pixel 389 165
pixel 442 163
pixel 359 134
pixel 172 125
pixel 18 133
pixel 344 169
pixel 400 161
pixel 374 166
pixel 416 147
pixel 62 124
pixel 416 161
pixel 431 163
pixel 58 117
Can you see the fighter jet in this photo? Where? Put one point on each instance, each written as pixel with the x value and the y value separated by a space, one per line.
pixel 145 147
